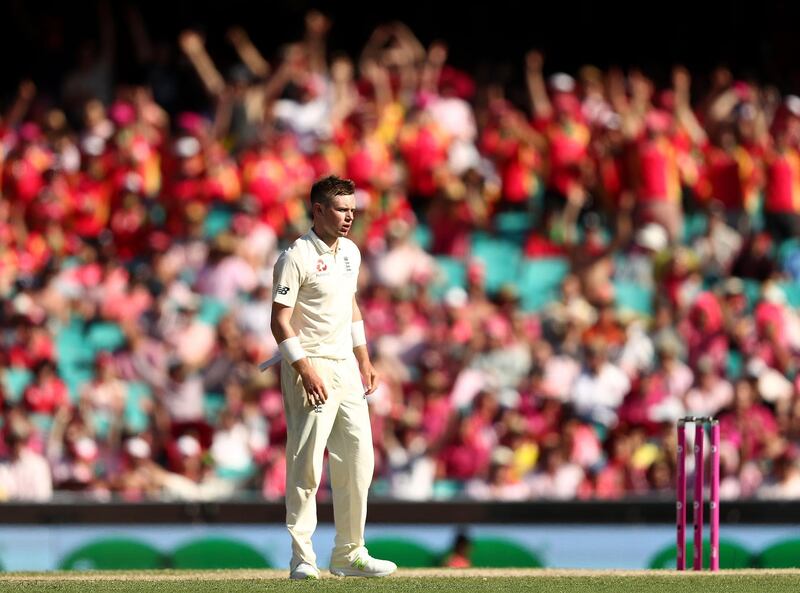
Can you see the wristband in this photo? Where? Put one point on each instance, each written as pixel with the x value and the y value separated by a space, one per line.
pixel 357 331
pixel 291 350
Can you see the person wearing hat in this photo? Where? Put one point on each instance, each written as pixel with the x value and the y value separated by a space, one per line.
pixel 320 332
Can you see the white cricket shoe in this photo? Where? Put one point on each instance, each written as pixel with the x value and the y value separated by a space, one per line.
pixel 304 572
pixel 365 565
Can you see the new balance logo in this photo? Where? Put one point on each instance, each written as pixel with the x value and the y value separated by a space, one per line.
pixel 283 289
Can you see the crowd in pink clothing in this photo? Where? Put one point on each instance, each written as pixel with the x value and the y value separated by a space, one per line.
pixel 136 251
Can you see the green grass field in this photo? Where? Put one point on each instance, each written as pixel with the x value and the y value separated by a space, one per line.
pixel 462 581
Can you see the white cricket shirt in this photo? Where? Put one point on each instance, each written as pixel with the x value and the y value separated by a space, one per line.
pixel 320 285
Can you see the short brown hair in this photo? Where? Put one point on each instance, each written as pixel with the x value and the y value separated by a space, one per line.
pixel 327 188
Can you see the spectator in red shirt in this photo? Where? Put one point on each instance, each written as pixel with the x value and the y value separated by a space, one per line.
pixel 48 393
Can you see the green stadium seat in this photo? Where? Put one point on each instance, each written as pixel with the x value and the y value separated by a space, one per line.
pixel 216 221
pixel 787 249
pixel 447 489
pixel 694 225
pixel 136 419
pixel 15 380
pixel 212 404
pixel 75 378
pixel 502 553
pixel 423 236
pixel 731 555
pixel 784 554
pixel 211 311
pixel 101 422
pixel 513 225
pixel 540 281
pixel 454 272
pixel 236 475
pixel 792 292
pixel 501 259
pixel 114 554
pixel 752 290
pixel 218 552
pixel 632 296
pixel 405 553
pixel 733 365
pixel 380 488
pixel 42 422
pixel 106 336
pixel 72 346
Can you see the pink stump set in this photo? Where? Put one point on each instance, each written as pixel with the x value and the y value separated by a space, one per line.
pixel 699 433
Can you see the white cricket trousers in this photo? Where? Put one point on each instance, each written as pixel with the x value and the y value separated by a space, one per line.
pixel 342 424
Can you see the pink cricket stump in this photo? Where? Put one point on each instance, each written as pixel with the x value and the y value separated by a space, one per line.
pixel 714 495
pixel 681 496
pixel 699 433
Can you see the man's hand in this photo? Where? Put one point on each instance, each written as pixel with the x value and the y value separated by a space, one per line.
pixel 316 393
pixel 317 24
pixel 190 41
pixel 534 61
pixel 370 376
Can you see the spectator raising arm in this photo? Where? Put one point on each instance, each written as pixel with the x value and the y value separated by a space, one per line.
pixel 537 90
pixel 248 53
pixel 317 26
pixel 22 102
pixel 683 108
pixel 192 45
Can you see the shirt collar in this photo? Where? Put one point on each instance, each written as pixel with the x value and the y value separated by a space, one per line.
pixel 320 244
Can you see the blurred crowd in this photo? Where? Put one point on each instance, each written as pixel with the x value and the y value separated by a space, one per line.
pixel 137 244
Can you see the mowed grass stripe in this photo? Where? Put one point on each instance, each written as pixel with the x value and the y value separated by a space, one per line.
pixel 408 581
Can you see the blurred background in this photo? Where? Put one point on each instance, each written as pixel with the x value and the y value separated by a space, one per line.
pixel 578 223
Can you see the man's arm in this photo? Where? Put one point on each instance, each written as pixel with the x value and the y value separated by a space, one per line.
pixel 193 46
pixel 537 89
pixel 361 351
pixel 316 394
pixel 248 53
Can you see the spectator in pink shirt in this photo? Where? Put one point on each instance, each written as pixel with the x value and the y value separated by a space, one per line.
pixel 749 424
pixel 704 333
pixel 711 392
pixel 25 476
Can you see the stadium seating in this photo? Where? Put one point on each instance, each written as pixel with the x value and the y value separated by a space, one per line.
pixel 454 273
pixel 106 336
pixel 694 225
pixel 422 235
pixel 212 404
pixel 633 297
pixel 513 225
pixel 15 380
pixel 136 419
pixel 791 291
pixel 540 281
pixel 217 220
pixel 501 259
pixel 211 311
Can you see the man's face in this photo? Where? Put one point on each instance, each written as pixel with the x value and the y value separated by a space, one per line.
pixel 335 218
